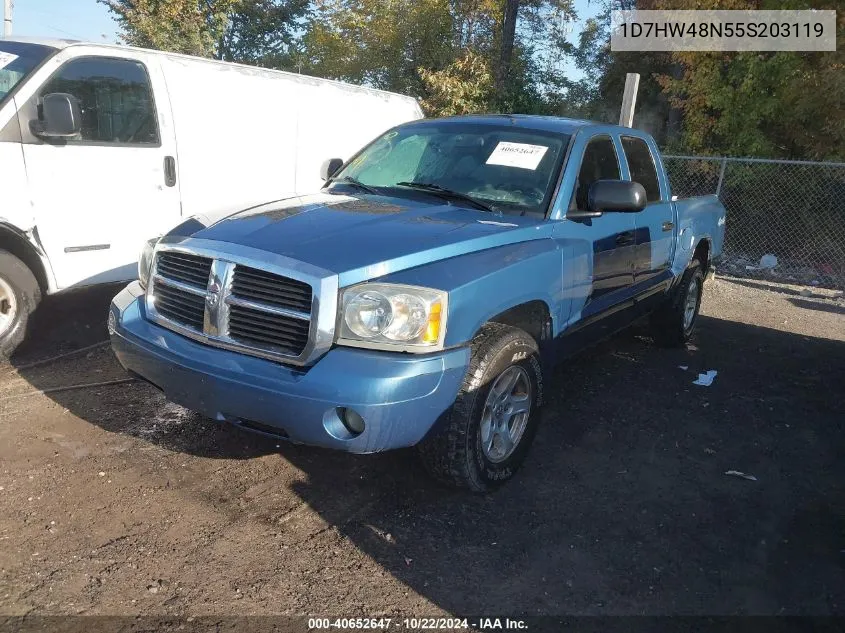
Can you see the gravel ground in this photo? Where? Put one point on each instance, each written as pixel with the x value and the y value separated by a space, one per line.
pixel 113 501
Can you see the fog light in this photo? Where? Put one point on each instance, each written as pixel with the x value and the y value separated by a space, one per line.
pixel 343 424
pixel 112 323
pixel 353 422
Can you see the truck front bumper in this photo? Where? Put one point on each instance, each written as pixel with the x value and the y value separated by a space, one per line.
pixel 399 396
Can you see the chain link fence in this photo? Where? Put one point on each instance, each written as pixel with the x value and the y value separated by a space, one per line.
pixel 785 221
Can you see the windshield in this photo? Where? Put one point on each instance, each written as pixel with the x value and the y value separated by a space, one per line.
pixel 506 168
pixel 16 61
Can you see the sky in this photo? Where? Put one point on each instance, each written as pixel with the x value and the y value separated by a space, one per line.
pixel 75 19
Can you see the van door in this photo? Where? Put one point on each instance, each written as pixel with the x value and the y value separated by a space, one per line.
pixel 18 61
pixel 99 195
pixel 237 133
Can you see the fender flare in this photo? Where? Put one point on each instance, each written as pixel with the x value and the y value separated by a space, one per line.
pixel 527 302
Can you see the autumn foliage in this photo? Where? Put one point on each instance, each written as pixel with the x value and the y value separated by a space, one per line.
pixel 461 56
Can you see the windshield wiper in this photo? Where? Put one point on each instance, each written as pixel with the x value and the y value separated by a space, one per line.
pixel 443 192
pixel 351 180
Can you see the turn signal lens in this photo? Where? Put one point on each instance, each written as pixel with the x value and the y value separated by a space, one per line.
pixel 393 317
pixel 432 331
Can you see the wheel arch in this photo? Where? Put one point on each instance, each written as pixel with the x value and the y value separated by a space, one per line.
pixel 532 316
pixel 18 243
pixel 702 252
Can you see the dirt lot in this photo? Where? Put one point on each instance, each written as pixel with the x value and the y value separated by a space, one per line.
pixel 113 501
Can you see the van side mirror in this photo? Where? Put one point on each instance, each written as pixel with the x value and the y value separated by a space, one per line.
pixel 60 117
pixel 330 168
pixel 620 196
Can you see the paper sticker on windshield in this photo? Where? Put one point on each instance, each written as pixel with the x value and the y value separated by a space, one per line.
pixel 520 155
pixel 6 59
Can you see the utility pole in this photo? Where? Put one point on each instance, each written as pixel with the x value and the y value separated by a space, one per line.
pixel 629 99
pixel 7 18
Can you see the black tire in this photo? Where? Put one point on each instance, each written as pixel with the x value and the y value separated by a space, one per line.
pixel 27 294
pixel 668 323
pixel 452 453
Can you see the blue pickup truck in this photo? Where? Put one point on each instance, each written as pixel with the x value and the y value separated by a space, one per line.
pixel 423 294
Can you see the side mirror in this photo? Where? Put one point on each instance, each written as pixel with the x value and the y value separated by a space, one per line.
pixel 60 117
pixel 621 196
pixel 330 168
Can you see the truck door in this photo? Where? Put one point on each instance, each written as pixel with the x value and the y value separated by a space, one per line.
pixel 612 234
pixel 98 196
pixel 654 224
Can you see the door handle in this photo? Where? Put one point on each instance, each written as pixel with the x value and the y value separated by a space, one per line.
pixel 668 226
pixel 169 171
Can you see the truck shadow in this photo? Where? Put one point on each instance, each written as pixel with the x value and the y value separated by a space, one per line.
pixel 821 306
pixel 67 322
pixel 623 505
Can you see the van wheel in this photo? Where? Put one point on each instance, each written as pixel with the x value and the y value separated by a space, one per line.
pixel 490 427
pixel 673 324
pixel 19 296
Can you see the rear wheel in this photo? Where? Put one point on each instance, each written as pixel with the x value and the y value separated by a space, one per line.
pixel 490 427
pixel 19 296
pixel 673 324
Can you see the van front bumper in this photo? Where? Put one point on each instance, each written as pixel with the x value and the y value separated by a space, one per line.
pixel 399 396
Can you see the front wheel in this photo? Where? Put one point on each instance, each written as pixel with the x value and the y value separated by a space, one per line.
pixel 490 427
pixel 19 296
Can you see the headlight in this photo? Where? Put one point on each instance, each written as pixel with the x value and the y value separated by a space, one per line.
pixel 393 316
pixel 145 261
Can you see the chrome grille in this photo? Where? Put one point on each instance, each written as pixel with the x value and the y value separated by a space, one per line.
pixel 258 285
pixel 227 301
pixel 189 269
pixel 182 307
pixel 256 327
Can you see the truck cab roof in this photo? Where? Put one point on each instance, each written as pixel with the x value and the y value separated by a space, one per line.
pixel 561 125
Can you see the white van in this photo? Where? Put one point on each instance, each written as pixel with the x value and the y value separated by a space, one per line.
pixel 103 147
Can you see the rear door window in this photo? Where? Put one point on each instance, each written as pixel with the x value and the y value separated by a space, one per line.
pixel 641 166
pixel 115 98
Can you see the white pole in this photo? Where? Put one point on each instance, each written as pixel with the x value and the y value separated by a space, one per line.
pixel 7 18
pixel 629 99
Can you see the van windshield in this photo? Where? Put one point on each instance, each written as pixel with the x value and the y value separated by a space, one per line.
pixel 17 60
pixel 505 168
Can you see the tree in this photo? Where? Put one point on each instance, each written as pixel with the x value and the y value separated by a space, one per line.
pixel 263 32
pixel 381 44
pixel 479 55
pixel 254 31
pixel 464 87
pixel 605 71
pixel 181 26
pixel 775 104
pixel 503 68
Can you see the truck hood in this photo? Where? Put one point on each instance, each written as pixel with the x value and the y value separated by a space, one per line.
pixel 363 237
